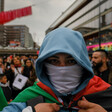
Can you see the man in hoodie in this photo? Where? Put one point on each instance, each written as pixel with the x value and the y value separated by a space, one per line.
pixel 65 75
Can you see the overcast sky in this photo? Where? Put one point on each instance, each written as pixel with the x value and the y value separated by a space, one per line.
pixel 45 12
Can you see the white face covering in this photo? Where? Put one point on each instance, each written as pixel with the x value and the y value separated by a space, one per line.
pixel 64 79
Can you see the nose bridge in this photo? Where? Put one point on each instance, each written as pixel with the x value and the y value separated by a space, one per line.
pixel 92 59
pixel 62 62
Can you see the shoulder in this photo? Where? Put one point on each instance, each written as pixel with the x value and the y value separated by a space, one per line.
pixel 28 93
pixel 98 84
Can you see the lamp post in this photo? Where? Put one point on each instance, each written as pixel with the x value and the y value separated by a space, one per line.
pixel 99 34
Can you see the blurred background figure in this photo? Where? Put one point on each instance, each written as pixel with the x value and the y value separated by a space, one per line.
pixel 2 67
pixel 7 62
pixel 23 59
pixel 5 87
pixel 29 71
pixel 34 59
pixel 100 65
pixel 15 69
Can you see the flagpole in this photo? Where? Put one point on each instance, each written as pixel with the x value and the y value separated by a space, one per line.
pixel 99 34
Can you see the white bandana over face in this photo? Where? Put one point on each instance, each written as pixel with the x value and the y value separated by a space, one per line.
pixel 64 79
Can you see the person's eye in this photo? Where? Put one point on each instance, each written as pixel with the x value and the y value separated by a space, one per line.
pixel 71 62
pixel 53 61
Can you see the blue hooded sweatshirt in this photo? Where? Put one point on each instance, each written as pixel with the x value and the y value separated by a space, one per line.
pixel 60 40
pixel 64 40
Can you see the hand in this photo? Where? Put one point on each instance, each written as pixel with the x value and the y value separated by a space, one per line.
pixel 46 107
pixel 12 67
pixel 86 106
pixel 22 68
pixel 3 68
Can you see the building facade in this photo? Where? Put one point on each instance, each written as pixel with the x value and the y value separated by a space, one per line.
pixel 93 18
pixel 17 35
pixel 1 26
pixel 29 41
pixel 1 5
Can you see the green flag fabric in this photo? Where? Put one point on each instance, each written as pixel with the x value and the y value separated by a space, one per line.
pixel 3 101
pixel 32 92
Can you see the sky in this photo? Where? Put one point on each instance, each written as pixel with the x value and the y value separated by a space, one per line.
pixel 44 13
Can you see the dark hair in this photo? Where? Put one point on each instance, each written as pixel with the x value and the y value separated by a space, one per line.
pixel 27 60
pixel 1 75
pixel 102 51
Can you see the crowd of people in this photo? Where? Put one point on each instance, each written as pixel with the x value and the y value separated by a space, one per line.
pixel 105 37
pixel 13 66
pixel 68 80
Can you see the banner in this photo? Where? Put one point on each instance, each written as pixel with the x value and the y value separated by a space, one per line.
pixel 8 16
pixel 107 46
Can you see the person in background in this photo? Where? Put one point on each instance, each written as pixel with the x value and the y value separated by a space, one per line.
pixel 15 69
pixel 23 59
pixel 31 58
pixel 34 59
pixel 29 71
pixel 100 65
pixel 6 62
pixel 65 75
pixel 5 87
pixel 2 67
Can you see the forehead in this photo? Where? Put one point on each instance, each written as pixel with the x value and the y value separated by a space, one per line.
pixel 96 54
pixel 1 59
pixel 15 58
pixel 28 61
pixel 3 77
pixel 61 55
